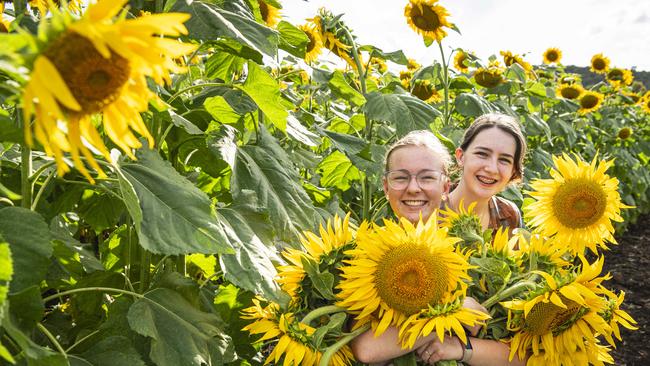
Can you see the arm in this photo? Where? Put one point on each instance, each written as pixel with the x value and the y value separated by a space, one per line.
pixel 486 352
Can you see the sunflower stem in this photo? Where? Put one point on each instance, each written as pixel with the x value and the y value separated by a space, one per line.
pixel 191 87
pixel 87 289
pixel 25 172
pixel 331 350
pixel 52 339
pixel 445 83
pixel 510 291
pixel 317 313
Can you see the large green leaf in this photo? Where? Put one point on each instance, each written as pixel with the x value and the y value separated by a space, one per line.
pixel 472 105
pixel 209 22
pixel 342 89
pixel 250 267
pixel 266 169
pixel 405 112
pixel 180 333
pixel 292 39
pixel 337 171
pixel 299 132
pixel 222 65
pixel 29 239
pixel 176 216
pixel 6 271
pixel 114 350
pixel 265 91
pixel 221 110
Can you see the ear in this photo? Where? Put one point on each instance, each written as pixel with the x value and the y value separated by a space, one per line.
pixel 460 155
pixel 385 184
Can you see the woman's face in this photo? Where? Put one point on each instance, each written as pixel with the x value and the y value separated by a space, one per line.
pixel 488 163
pixel 412 200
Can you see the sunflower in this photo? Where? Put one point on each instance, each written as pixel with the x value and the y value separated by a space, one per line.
pixel 489 77
pixel 405 78
pixel 619 77
pixel 510 59
pixel 599 64
pixel 427 18
pixel 107 77
pixel 631 97
pixel 294 343
pixel 463 224
pixel 332 242
pixel 590 101
pixel 561 315
pixel 614 315
pixel 425 91
pixel 270 14
pixel 461 61
pixel 4 24
pixel 540 252
pixel 44 6
pixel 645 102
pixel 412 65
pixel 569 91
pixel 379 64
pixel 624 133
pixel 315 45
pixel 552 56
pixel 333 32
pixel 577 205
pixel 400 270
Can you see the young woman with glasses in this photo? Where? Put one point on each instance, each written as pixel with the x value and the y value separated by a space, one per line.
pixel 415 183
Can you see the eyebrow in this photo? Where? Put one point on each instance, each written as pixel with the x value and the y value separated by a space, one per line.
pixel 491 151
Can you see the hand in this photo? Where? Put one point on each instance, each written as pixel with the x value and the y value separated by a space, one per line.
pixel 434 351
pixel 471 303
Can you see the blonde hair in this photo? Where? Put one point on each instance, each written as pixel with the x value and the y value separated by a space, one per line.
pixel 421 138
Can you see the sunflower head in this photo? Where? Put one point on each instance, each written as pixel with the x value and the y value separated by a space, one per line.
pixel 333 32
pixel 379 64
pixel 461 61
pixel 490 76
pixel 399 269
pixel 552 56
pixel 425 91
pixel 535 251
pixel 569 91
pixel 412 65
pixel 315 45
pixel 427 18
pixel 619 77
pixel 599 64
pixel 590 101
pixel 463 224
pixel 510 59
pixel 645 102
pixel 614 315
pixel 44 6
pixel 270 14
pixel 577 205
pixel 624 133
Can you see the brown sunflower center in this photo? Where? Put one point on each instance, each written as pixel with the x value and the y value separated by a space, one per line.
pixel 624 133
pixel 425 18
pixel 423 90
pixel 93 80
pixel 552 56
pixel 570 92
pixel 599 64
pixel 579 203
pixel 615 75
pixel 409 278
pixel 546 317
pixel 312 42
pixel 589 101
pixel 264 11
pixel 488 79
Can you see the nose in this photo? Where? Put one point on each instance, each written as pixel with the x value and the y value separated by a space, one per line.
pixel 413 186
pixel 491 165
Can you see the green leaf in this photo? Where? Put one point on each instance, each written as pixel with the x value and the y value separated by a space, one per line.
pixel 101 210
pixel 9 131
pixel 472 105
pixel 210 22
pixel 292 39
pixel 27 309
pixel 265 91
pixel 62 233
pixel 337 171
pixel 129 197
pixel 182 122
pixel 29 239
pixel 223 145
pixel 113 350
pixel 537 89
pixel 405 112
pixel 397 57
pixel 250 267
pixel 349 143
pixel 6 271
pixel 220 110
pixel 222 65
pixel 180 334
pixel 323 281
pixel 266 169
pixel 300 133
pixel 241 51
pixel 177 217
pixel 342 89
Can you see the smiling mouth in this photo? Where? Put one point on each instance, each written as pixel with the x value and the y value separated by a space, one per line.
pixel 414 203
pixel 486 180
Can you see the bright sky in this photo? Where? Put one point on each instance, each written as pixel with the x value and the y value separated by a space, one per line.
pixel 620 29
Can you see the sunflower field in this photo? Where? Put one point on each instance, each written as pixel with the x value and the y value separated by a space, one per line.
pixel 190 182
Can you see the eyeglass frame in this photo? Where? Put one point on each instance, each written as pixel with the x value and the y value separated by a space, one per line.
pixel 388 181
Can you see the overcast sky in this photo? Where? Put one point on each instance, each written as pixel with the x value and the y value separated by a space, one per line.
pixel 620 29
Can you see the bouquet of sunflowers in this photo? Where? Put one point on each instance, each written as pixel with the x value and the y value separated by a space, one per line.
pixel 543 294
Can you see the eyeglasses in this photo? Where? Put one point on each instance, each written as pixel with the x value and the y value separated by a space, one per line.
pixel 400 179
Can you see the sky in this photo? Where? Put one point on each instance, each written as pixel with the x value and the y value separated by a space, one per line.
pixel 620 29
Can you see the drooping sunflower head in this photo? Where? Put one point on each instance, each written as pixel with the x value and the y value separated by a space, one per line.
pixel 315 45
pixel 425 91
pixel 427 18
pixel 548 255
pixel 399 269
pixel 334 35
pixel 44 6
pixel 98 66
pixel 270 14
pixel 295 345
pixel 614 315
pixel 624 133
pixel 462 61
pixel 325 251
pixel 577 205
pixel 619 77
pixel 552 56
pixel 412 65
pixel 510 59
pixel 405 78
pixel 630 97
pixel 379 64
pixel 590 101
pixel 490 76
pixel 599 64
pixel 463 224
pixel 569 91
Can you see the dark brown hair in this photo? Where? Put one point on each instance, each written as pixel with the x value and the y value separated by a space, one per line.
pixel 507 124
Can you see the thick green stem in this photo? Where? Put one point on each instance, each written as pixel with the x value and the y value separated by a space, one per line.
pixel 145 267
pixel 317 313
pixel 25 173
pixel 41 190
pixel 52 339
pixel 331 350
pixel 445 83
pixel 198 86
pixel 88 289
pixel 507 293
pixel 82 340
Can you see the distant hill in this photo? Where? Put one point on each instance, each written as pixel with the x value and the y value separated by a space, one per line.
pixel 590 78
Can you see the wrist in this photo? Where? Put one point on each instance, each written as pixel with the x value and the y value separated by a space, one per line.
pixel 467 350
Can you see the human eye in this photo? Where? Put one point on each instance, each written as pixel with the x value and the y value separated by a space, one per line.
pixel 399 177
pixel 430 176
pixel 481 154
pixel 505 161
